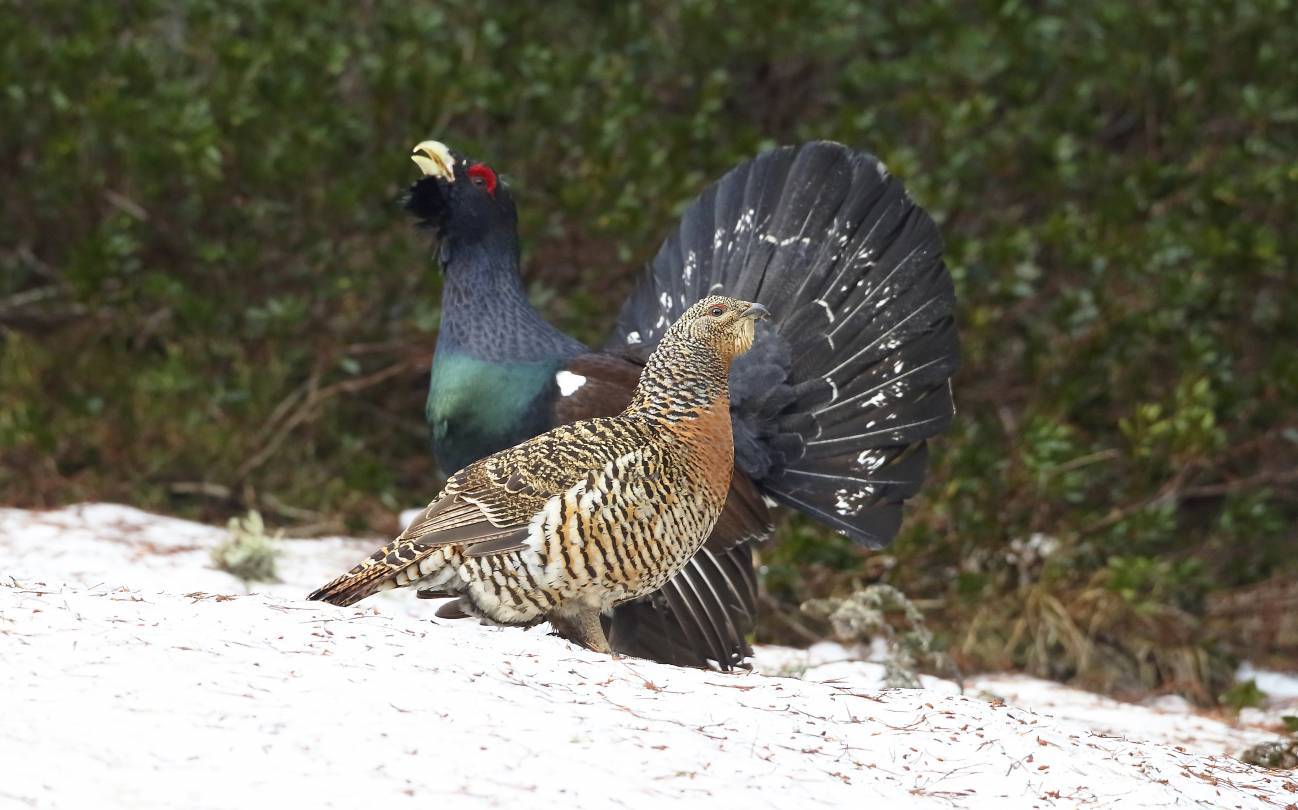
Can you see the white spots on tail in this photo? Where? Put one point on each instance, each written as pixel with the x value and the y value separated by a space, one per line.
pixel 745 222
pixel 771 239
pixel 633 339
pixel 829 312
pixel 569 382
pixel 849 502
pixel 870 460
pixel 840 233
pixel 875 401
pixel 691 261
pixel 858 283
pixel 833 390
pixel 664 309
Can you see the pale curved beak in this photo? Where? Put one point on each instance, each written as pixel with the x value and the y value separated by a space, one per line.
pixel 757 312
pixel 434 159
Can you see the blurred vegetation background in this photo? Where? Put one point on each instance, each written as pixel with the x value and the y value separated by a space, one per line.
pixel 210 300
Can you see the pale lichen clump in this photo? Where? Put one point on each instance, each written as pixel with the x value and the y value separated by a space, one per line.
pixel 249 552
pixel 883 612
pixel 1278 754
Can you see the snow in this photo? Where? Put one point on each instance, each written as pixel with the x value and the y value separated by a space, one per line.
pixel 1282 685
pixel 138 676
pixel 1169 719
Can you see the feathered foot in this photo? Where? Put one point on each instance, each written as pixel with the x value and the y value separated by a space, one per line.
pixel 580 624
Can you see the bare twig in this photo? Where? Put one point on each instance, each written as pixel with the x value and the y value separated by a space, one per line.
pixel 1168 490
pixel 1262 479
pixel 315 522
pixel 800 629
pixel 314 399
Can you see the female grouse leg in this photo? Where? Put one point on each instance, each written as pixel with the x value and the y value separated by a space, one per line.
pixel 580 624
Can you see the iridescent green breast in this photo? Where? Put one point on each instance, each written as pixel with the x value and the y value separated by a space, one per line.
pixel 476 407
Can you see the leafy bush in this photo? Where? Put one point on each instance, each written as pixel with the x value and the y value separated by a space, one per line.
pixel 209 301
pixel 1243 695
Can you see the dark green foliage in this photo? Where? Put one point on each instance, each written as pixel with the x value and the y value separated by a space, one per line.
pixel 1243 695
pixel 205 278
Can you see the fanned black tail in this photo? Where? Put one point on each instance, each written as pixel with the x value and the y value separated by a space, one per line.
pixel 700 618
pixel 833 405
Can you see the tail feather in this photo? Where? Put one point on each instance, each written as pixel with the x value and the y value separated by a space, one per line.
pixel 832 410
pixel 387 568
pixel 700 618
pixel 872 384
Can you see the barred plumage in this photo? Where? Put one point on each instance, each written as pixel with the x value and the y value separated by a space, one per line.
pixel 567 525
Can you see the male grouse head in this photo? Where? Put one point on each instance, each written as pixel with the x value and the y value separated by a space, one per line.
pixel 461 199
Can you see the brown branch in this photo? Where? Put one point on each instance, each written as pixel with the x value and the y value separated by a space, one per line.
pixel 799 629
pixel 1262 479
pixel 284 406
pixel 1169 490
pixel 314 399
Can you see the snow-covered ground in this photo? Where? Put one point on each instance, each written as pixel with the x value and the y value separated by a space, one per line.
pixel 136 675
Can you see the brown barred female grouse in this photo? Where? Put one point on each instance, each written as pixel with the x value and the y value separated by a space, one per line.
pixel 584 517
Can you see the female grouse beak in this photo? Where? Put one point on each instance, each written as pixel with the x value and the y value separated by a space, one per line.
pixel 434 159
pixel 757 312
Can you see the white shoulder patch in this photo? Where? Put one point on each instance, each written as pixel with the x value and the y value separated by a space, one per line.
pixel 569 382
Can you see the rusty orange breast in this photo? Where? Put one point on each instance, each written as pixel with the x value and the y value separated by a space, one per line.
pixel 712 445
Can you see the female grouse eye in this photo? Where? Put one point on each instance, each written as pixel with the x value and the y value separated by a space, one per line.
pixel 483 177
pixel 716 312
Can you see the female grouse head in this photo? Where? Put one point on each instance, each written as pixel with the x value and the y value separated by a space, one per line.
pixel 689 368
pixel 727 326
pixel 461 199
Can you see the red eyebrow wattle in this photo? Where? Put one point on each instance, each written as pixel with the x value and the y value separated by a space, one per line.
pixel 487 175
